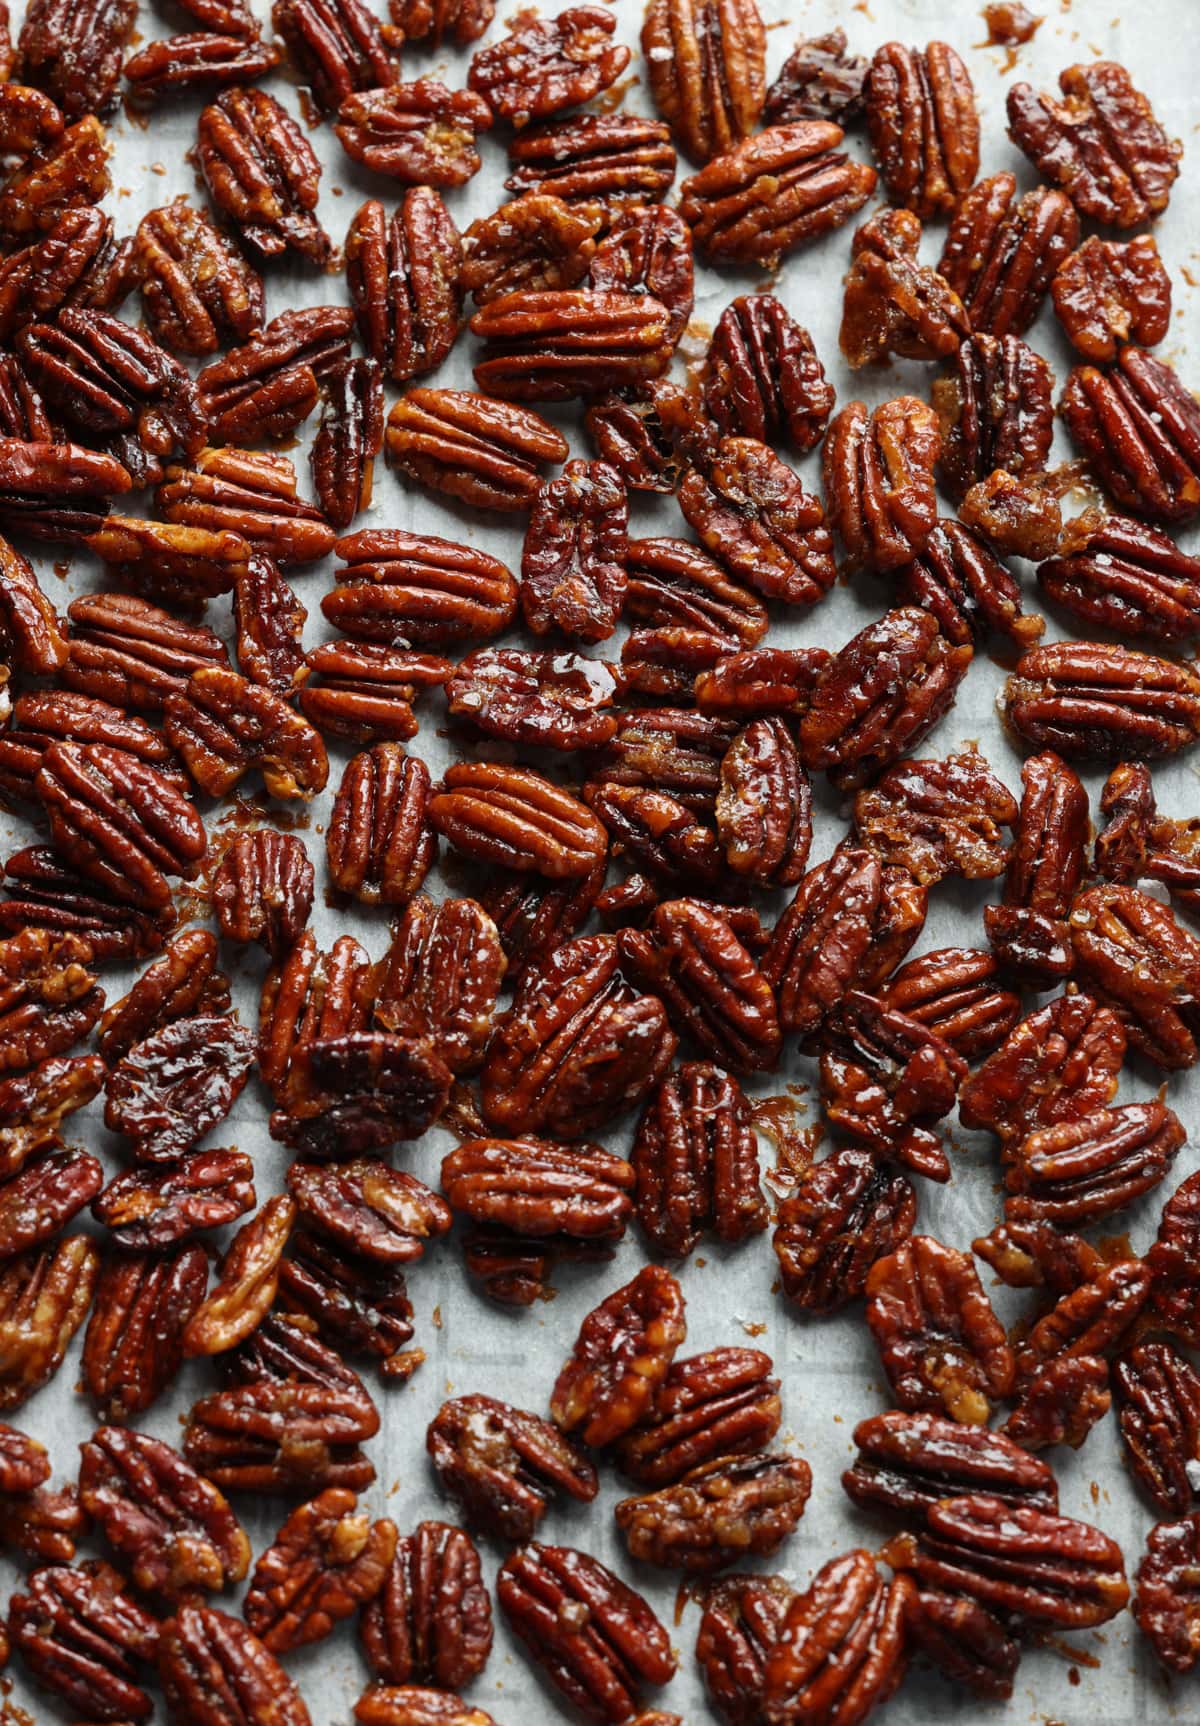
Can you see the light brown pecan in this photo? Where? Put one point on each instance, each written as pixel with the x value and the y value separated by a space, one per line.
pixel 1091 701
pixel 621 1356
pixel 924 126
pixel 732 1506
pixel 618 159
pixel 62 174
pixel 133 1347
pixel 198 292
pixel 1110 292
pixel 338 46
pixel 262 174
pixel 251 494
pixel 348 439
pixel 224 726
pixel 403 278
pixel 1139 428
pixel 246 1286
pixel 1000 257
pixel 878 476
pixel 696 1162
pixel 545 65
pixel 819 80
pixel 270 621
pixel 44 1298
pixel 841 1647
pixel 431 1623
pixel 485 453
pixel 86 1640
pixel 501 1464
pixel 184 981
pixel 707 71
pixel 421 134
pixel 894 304
pixel 213 1668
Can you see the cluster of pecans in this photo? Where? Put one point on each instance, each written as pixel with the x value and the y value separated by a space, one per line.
pixel 687 764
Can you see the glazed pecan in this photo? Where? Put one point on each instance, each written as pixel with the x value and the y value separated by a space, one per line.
pixel 622 1355
pixel 707 71
pixel 841 1647
pixel 34 1105
pixel 729 1506
pixel 361 1091
pixel 46 893
pixel 270 620
pixel 44 1298
pixel 545 65
pixel 755 515
pixel 183 564
pixel 1000 257
pixel 196 59
pixel 63 173
pixel 43 1525
pixel 464 21
pixel 1125 576
pixel 764 806
pixel 28 116
pixel 1078 1171
pixel 262 890
pixel 186 980
pixel 483 452
pixel 1092 701
pixel 537 241
pixel 618 159
pixel 85 1639
pixel 573 560
pixel 1111 292
pixel 892 303
pixel 1174 1294
pixel 501 1465
pixel 996 411
pixel 368 1208
pixel 171 1089
pixel 1028 930
pixel 1019 517
pixel 326 1561
pixel 57 491
pixel 48 996
pixel 710 1406
pixel 400 586
pixel 337 46
pixel 907 1463
pixel 421 134
pixel 741 1620
pixel 1158 1393
pixel 38 1203
pixel 364 690
pixel 533 916
pixel 24 1464
pixel 416 1705
pixel 249 493
pixel 938 818
pixel 402 275
pixel 763 377
pixel 815 188
pixel 1134 954
pixel 1165 1605
pixel 379 843
pixel 224 726
pixel 968 1644
pixel 696 1162
pixel 555 700
pixel 147 1210
pixel 268 386
pixel 1042 1569
pixel 245 1288
pixel 133 1346
pixel 819 80
pixel 363 1308
pixel 1139 429
pixel 308 995
pixel 43 717
pixel 597 1640
pixel 349 438
pixel 847 1212
pixel 431 1623
pixel 198 292
pixel 213 1668
pixel 78 262
pixel 533 1187
pixel 555 344
pixel 262 174
pixel 1058 1064
pixel 514 817
pixel 878 476
pixel 924 126
pixel 954 991
pixel 73 51
pixel 648 252
pixel 1102 145
pixel 132 654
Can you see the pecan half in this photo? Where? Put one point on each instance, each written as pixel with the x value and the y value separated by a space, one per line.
pixel 245 1288
pixel 338 46
pixel 44 1298
pixel 400 586
pixel 1078 1171
pixel 62 174
pixel 1158 1402
pixel 214 1668
pixel 968 1644
pixel 923 124
pixel 421 134
pixel 696 1162
pixel 954 991
pixel 483 452
pixel 1058 1064
pixel 729 1506
pixel 559 343
pixel 533 1187
pixel 537 241
pixel 878 477
pixel 1028 930
pixel 754 514
pixel 325 1562
pixel 148 1210
pixel 1110 292
pixel 1000 257
pixel 196 59
pixel 648 253
pixel 622 1355
pixel 841 1648
pixel 262 174
pixel 1175 1297
pixel 618 159
pixel 894 304
pixel 171 1089
pixel 403 278
pixel 707 71
pixel 85 1639
pixel 741 1621
pixel 996 411
pixel 555 700
pixel 38 1203
pixel 907 1463
pixel 132 654
pixel 1134 954
pixel 266 387
pixel 45 893
pixel 224 726
pixel 198 292
pixel 263 889
pixel 366 1207
pixel 416 1705
pixel 710 1406
pixel 431 1623
pixel 364 690
pixel 363 1308
pixel 573 559
pixel 73 52
pixel 184 981
pixel 379 843
pixel 251 494
pixel 545 65
pixel 534 917
pixel 1126 576
pixel 847 1212
pixel 133 1346
pixel 463 21
pixel 764 806
pixel 1092 701
pixel 763 377
pixel 349 438
pixel 501 1464
pixel 1139 428
pixel 514 817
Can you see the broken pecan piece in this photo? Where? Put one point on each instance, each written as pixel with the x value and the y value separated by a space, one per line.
pixel 923 124
pixel 63 173
pixel 968 1644
pixel 463 21
pixel 501 1464
pixel 819 80
pixel 245 1289
pixel 938 819
pixel 892 304
pixel 954 991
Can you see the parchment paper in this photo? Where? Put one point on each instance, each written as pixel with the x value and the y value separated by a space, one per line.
pixel 831 1376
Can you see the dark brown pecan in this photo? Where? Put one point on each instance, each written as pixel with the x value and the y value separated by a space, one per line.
pixel 764 379
pixel 23 415
pixel 1126 576
pixel 421 134
pixel 174 1528
pixel 28 116
pixel 907 1463
pixel 1158 1396
pixel 573 560
pixel 878 476
pixel 133 1346
pixel 60 175
pixel 78 262
pixel 924 126
pixel 245 1288
pixel 43 717
pixel 966 1643
pixel 841 1647
pixel 48 996
pixel 270 620
pixel 252 494
pixel 463 21
pixel 267 387
pixel 212 1667
pixel 741 1620
pixel 85 1639
pixel 262 174
pixel 559 343
pixel 362 1091
pixel 710 1406
pixel 707 71
pixel 696 1161
pixel 1110 292
pixel 363 1308
pixel 846 1213
pixel 379 843
pixel 996 411
pixel 185 565
pixel 1139 428
pixel 44 1298
pixel 400 586
pixel 619 159
pixel 1058 1064
pixel 1078 1171
pixel 72 50
pixel 892 303
pixel 673 584
pixel 1165 1606
pixel 533 917
pixel 657 834
pixel 537 241
pixel 815 188
pixel 367 1207
pixel 34 1105
pixel 402 275
pixel 43 1524
pixel 1102 144
pixel 938 818
pixel 132 654
pixel 147 1210
pixel 1042 1569
pixel 262 890
pixel 533 1187
pixel 338 46
pixel 38 1203
pixel 545 65
pixel 648 252
pixel 764 806
pixel 754 514
pixel 621 1357
pixel 954 991
pixel 198 292
pixel 225 726
pixel 1134 955
pixel 483 452
pixel 326 1561
pixel 417 1705
pixel 555 700
pixel 173 1088
pixel 819 80
pixel 1175 1298
pixel 1092 701
pixel 306 996
pixel 501 1465
pixel 1028 930
pixel 431 1623
pixel 1000 258
pixel 727 1507
pixel 349 438
pixel 364 691
pixel 196 59
pixel 45 893
pixel 596 1639
pixel 941 1345
pixel 186 980
pixel 1138 843
pixel 24 1464
pixel 514 817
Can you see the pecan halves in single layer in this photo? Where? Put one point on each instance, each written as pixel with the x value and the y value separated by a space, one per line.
pixel 764 806
pixel 621 1356
pixel 262 174
pixel 706 64
pixel 263 890
pixel 421 134
pixel 1138 426
pixel 878 477
pixel 1000 257
pixel 338 46
pixel 1134 954
pixel 485 453
pixel 266 387
pixel 1102 144
pixel 213 1667
pixel 696 1162
pixel 1111 292
pixel 194 60
pixel 543 66
pixel 403 279
pixel 502 1465
pixel 431 1623
pixel 841 1648
pixel 1088 700
pixel 133 1346
pixel 1058 1064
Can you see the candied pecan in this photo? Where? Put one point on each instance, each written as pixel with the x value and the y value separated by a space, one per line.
pixel 968 1644
pixel 195 59
pixel 245 1288
pixel 764 806
pixel 621 1357
pixel 907 1463
pixel 663 664
pixel 1043 1569
pixel 132 654
pixel 534 916
pixel 365 690
pixel 894 304
pixel 1125 576
pixel 28 116
pixel 1058 1064
pixel 31 632
pixel 1061 1403
pixel 37 1203
pixel 326 1561
pixel 338 46
pixel 34 1104
pixel 269 621
pixel 763 378
pixel 43 1524
pixel 1089 700
pixel 755 515
pixel 573 559
pixel 48 996
pixel 501 1464
pixel 618 159
pixel 1165 1606
pixel 1086 1322
pixel 556 700
pixel 366 1207
pixel 349 438
pixel 184 981
pixel 361 1091
pixel 710 1406
pixel 431 1623
pixel 556 344
pixel 416 1705
pixel 1028 930
pixel 696 1162
pixel 248 494
pixel 1130 949
pixel 43 717
pixel 198 292
pixel 403 279
pixel 673 583
pixel 938 818
pixel 73 50
pixel 268 386
pixel 707 66
pixel 1158 1393
pixel 262 890
pixel 815 188
pixel 953 991
pixel 533 1187
pixel 1110 292
pixel 47 894
pixel 145 1211
pixel 483 452
pixel 364 1308
pixel 463 21
pixel 1018 517
pixel 133 1346
pixel 44 1298
pixel 174 1527
pixel 741 1620
pixel 421 134
pixel 847 1212
pixel 597 1640
pixel 171 1089
pixel 23 1462
pixel 514 817
pixel 924 126
pixel 400 586
pixel 60 175
pixel 23 415
pixel 537 242
pixel 213 1667
pixel 185 565
pixel 308 995
pixel 1171 1260
pixel 726 1507
pixel 262 174
pixel 57 491
pixel 1078 1171
pixel 1139 428
pixel 819 80
pixel 85 1639
pixel 545 65
pixel 878 477
pixel 1000 258
pixel 379 844
pixel 224 726
pixel 1102 144
pixel 841 1647
pixel 648 252
pixel 996 411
